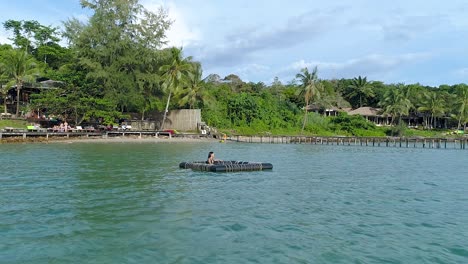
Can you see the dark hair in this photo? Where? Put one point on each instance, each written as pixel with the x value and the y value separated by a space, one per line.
pixel 209 154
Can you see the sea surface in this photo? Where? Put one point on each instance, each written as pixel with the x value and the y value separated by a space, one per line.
pixel 130 203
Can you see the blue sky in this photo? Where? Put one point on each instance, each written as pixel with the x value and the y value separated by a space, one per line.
pixel 396 41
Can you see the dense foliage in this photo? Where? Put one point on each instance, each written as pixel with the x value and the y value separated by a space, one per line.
pixel 116 64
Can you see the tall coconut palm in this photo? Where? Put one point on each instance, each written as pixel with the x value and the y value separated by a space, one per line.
pixel 173 74
pixel 395 104
pixel 310 88
pixel 360 87
pixel 461 105
pixel 434 104
pixel 21 68
pixel 194 90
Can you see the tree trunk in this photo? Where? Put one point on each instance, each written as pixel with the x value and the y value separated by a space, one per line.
pixel 165 111
pixel 18 89
pixel 459 121
pixel 462 111
pixel 305 119
pixel 76 115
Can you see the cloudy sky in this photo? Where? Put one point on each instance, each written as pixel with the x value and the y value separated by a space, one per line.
pixel 396 41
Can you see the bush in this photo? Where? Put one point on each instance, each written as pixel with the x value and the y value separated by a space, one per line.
pixel 355 125
pixel 398 130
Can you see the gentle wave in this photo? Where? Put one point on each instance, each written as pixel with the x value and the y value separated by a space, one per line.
pixel 130 203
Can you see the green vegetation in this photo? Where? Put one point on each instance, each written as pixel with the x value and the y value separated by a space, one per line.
pixel 115 66
pixel 13 123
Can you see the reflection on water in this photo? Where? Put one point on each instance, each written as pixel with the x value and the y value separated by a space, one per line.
pixel 130 203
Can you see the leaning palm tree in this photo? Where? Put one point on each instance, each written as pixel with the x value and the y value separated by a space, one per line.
pixel 173 74
pixel 310 87
pixel 360 87
pixel 21 68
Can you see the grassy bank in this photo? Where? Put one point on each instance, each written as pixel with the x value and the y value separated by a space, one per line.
pixel 13 123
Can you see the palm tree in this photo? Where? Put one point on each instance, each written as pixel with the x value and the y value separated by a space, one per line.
pixel 395 103
pixel 310 87
pixel 173 75
pixel 360 87
pixel 21 67
pixel 434 104
pixel 194 90
pixel 461 105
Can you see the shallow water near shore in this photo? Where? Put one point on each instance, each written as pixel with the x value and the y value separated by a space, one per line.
pixel 129 202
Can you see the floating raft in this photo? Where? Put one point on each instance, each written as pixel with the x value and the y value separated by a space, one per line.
pixel 226 166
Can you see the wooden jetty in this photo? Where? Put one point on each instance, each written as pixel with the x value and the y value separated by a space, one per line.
pixel 25 135
pixel 402 142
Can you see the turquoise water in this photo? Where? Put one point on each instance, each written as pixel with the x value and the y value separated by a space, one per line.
pixel 130 203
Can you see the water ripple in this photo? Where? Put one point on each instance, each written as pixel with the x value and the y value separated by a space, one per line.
pixel 130 203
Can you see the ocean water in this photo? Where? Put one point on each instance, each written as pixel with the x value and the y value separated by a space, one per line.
pixel 130 203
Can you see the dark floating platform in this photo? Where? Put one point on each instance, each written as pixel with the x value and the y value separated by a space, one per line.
pixel 226 166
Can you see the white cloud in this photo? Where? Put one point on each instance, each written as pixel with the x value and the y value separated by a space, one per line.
pixel 180 34
pixel 250 71
pixel 4 37
pixel 367 65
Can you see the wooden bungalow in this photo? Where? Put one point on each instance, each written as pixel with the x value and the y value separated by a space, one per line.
pixel 26 92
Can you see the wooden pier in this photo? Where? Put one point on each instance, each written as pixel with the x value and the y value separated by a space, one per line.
pixel 28 135
pixel 435 143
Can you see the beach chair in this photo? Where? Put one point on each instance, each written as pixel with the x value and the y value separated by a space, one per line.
pixel 77 129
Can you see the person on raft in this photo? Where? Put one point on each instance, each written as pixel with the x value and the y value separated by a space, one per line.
pixel 211 158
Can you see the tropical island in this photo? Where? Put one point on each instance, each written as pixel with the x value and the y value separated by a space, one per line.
pixel 117 67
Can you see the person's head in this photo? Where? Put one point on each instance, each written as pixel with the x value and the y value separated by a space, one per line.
pixel 211 154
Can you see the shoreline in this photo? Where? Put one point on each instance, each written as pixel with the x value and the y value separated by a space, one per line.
pixel 117 139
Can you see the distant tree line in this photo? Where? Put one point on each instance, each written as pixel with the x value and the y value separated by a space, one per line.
pixel 116 63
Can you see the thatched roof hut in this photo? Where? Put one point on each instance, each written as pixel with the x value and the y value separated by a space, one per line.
pixel 366 111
